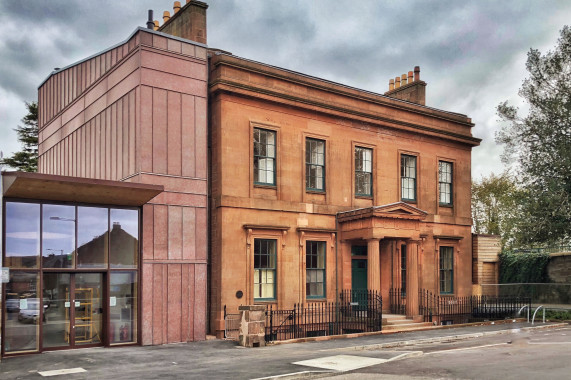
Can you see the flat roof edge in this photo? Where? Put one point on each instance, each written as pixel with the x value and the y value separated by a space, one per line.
pixel 138 29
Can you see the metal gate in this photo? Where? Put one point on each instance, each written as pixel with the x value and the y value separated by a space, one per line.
pixel 231 325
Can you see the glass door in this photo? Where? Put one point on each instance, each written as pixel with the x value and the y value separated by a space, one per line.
pixel 87 326
pixel 73 311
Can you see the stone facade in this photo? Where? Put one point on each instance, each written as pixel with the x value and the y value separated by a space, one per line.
pixel 559 268
pixel 248 97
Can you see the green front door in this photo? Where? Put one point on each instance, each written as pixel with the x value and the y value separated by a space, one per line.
pixel 359 281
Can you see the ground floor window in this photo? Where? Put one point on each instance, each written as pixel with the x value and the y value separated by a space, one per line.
pixel 315 269
pixel 446 270
pixel 265 269
pixel 73 273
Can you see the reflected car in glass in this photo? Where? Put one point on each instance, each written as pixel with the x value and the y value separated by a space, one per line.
pixel 32 312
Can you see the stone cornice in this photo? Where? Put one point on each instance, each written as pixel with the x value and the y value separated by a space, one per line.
pixel 229 86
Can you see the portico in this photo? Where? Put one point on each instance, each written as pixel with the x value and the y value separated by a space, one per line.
pixel 387 240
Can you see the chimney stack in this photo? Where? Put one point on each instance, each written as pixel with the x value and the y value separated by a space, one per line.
pixel 188 21
pixel 408 87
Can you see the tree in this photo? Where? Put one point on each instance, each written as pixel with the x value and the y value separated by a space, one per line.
pixel 26 159
pixel 540 143
pixel 495 207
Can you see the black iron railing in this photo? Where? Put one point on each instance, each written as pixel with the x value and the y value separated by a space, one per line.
pixel 397 299
pixel 356 311
pixel 452 310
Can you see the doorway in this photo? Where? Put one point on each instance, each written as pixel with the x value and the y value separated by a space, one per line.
pixel 73 310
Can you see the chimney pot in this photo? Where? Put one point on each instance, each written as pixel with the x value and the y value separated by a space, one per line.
pixel 156 25
pixel 166 16
pixel 150 23
pixel 391 84
pixel 416 73
pixel 176 6
pixel 410 77
pixel 403 79
pixel 397 82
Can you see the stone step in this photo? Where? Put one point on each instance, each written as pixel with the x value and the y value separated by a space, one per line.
pixel 408 327
pixel 399 321
pixel 394 316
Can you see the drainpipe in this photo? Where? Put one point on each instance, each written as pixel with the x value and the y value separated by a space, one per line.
pixel 336 257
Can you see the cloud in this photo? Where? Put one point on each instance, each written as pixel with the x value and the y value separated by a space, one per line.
pixel 471 54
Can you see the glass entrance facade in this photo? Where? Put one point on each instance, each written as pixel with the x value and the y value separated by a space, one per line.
pixel 73 279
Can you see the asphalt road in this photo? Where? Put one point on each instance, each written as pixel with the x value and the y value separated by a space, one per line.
pixel 482 352
pixel 540 354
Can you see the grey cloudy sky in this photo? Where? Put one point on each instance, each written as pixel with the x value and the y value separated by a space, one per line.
pixel 471 53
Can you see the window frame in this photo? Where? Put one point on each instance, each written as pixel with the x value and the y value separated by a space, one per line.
pixel 404 156
pixel 257 157
pixel 369 173
pixel 316 243
pixel 274 269
pixel 446 183
pixel 309 165
pixel 441 280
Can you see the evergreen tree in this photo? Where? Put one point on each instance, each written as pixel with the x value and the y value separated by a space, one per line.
pixel 27 159
pixel 540 143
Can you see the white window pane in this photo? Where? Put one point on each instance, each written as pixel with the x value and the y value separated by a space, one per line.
pixel 367 166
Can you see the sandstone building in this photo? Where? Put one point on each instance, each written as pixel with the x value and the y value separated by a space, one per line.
pixel 233 183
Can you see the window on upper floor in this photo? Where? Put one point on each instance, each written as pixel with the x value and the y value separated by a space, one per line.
pixel 445 182
pixel 446 270
pixel 408 177
pixel 314 164
pixel 315 269
pixel 265 269
pixel 264 157
pixel 363 171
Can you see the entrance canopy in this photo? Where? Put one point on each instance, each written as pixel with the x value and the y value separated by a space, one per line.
pixel 395 220
pixel 74 189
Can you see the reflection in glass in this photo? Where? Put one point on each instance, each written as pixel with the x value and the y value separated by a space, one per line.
pixel 123 307
pixel 88 308
pixel 22 312
pixel 58 236
pixel 92 237
pixel 56 312
pixel 22 235
pixel 124 237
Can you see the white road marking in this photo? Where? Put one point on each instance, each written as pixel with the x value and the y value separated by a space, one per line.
pixel 549 343
pixel 341 362
pixel 302 373
pixel 67 371
pixel 464 348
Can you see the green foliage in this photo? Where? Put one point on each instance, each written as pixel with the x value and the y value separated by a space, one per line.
pixel 495 207
pixel 27 159
pixel 556 315
pixel 523 267
pixel 540 144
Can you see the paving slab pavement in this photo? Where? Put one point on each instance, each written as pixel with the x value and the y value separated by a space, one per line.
pixel 219 359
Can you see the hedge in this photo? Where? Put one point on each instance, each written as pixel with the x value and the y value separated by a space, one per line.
pixel 523 267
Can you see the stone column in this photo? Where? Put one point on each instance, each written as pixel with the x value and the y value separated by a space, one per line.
pixel 412 278
pixel 373 265
pixel 252 325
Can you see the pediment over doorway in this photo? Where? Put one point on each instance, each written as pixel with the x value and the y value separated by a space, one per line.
pixel 397 210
